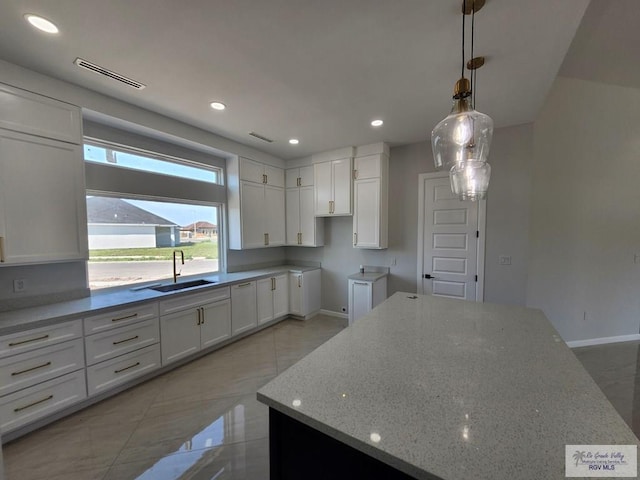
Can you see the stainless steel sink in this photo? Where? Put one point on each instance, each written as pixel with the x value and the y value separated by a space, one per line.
pixel 181 286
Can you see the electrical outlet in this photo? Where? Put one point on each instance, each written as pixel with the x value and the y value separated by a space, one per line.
pixel 19 285
pixel 504 260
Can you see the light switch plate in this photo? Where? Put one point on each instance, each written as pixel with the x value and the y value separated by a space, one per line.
pixel 504 259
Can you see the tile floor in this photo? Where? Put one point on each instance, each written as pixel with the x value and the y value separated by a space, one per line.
pixel 200 421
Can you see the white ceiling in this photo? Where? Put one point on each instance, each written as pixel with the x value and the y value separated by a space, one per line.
pixel 316 70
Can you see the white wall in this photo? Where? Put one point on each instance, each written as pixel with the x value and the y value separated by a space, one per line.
pixel 585 226
pixel 507 224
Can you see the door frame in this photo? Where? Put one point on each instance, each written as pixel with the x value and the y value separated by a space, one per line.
pixel 480 244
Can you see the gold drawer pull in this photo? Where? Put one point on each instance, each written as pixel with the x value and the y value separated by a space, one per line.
pixel 244 284
pixel 19 409
pixel 30 369
pixel 29 341
pixel 134 315
pixel 126 340
pixel 2 249
pixel 127 368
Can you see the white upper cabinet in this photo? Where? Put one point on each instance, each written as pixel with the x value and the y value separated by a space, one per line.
pixel 260 173
pixel 26 112
pixel 303 227
pixel 333 187
pixel 42 189
pixel 370 216
pixel 256 204
pixel 42 200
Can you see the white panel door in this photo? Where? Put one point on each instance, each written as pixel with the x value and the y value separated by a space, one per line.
pixel 281 296
pixel 291 177
pixel 306 176
pixel 450 242
pixel 295 293
pixel 215 324
pixel 274 219
pixel 265 299
pixel 360 299
pixel 342 182
pixel 366 213
pixel 251 171
pixel 274 176
pixel 322 188
pixel 253 208
pixel 243 307
pixel 180 335
pixel 311 230
pixel 42 200
pixel 292 208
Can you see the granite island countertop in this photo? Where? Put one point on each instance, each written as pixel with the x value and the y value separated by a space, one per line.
pixel 101 301
pixel 450 389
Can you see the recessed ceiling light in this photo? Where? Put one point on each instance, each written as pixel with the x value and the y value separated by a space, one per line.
pixel 218 105
pixel 41 23
pixel 376 123
pixel 294 141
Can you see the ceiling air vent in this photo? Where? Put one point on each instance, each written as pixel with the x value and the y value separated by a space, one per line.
pixel 258 136
pixel 108 73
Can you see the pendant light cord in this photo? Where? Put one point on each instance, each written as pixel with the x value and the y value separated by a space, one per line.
pixel 464 10
pixel 473 71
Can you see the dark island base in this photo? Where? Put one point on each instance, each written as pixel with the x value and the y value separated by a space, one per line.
pixel 301 452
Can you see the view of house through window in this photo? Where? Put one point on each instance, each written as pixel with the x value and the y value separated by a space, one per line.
pixel 132 241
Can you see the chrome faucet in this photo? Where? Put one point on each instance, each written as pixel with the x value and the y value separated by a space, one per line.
pixel 176 274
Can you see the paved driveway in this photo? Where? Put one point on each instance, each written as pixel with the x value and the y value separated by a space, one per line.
pixel 111 274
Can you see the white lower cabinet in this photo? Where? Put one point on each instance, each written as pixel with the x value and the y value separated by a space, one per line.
pixel 305 293
pixel 112 343
pixel 364 296
pixel 118 370
pixel 27 369
pixel 272 298
pixel 30 404
pixel 200 324
pixel 244 314
pixel 41 372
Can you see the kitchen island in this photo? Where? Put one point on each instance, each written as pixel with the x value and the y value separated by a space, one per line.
pixel 433 388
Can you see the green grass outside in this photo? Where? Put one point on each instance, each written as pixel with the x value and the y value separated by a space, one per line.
pixel 208 250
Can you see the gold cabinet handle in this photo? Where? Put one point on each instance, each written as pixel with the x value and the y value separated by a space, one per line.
pixel 30 369
pixel 273 283
pixel 244 284
pixel 299 183
pixel 299 238
pixel 299 281
pixel 126 317
pixel 361 283
pixel 355 174
pixel 2 259
pixel 264 178
pixel 127 368
pixel 202 310
pixel 266 239
pixel 355 238
pixel 198 310
pixel 43 337
pixel 19 409
pixel 126 340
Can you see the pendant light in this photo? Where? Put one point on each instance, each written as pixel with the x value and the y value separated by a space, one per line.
pixel 461 141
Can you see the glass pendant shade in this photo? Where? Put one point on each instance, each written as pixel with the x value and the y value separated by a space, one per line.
pixel 465 134
pixel 470 180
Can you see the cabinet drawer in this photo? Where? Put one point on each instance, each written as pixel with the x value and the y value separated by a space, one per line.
pixel 27 112
pixel 41 400
pixel 112 343
pixel 194 300
pixel 27 369
pixel 111 373
pixel 39 337
pixel 118 318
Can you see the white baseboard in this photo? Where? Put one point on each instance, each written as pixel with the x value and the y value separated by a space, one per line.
pixel 603 340
pixel 331 313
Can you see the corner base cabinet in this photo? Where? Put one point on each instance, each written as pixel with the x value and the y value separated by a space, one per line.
pixel 364 295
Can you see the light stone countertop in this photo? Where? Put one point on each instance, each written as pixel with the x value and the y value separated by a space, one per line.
pixel 26 318
pixel 451 389
pixel 368 277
